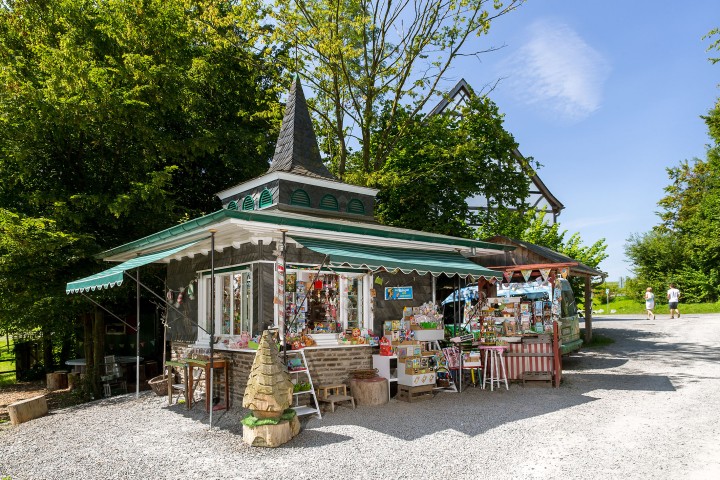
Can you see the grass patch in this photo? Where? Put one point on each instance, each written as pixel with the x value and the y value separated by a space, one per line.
pixel 7 353
pixel 626 306
pixel 598 340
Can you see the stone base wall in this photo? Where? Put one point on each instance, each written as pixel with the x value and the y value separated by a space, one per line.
pixel 327 366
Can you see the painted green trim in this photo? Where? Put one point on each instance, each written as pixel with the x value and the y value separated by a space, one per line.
pixel 218 271
pixel 265 199
pixel 329 202
pixel 356 206
pixel 248 203
pixel 232 205
pixel 300 198
pixel 200 226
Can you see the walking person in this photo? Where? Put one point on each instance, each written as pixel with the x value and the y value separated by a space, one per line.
pixel 673 296
pixel 650 303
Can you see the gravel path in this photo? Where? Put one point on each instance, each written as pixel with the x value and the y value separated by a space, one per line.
pixel 644 407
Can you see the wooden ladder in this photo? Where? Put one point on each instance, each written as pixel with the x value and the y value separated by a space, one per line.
pixel 297 374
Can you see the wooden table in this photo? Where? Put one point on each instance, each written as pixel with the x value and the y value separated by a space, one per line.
pixel 206 365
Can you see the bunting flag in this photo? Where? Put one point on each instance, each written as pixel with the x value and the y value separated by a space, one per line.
pixel 545 273
pixel 564 272
pixel 493 280
pixel 508 274
pixel 526 274
pixel 379 280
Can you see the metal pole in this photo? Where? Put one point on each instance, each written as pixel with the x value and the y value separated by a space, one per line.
pixel 137 334
pixel 283 315
pixel 212 320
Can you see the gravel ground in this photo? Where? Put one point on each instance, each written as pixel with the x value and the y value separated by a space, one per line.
pixel 644 407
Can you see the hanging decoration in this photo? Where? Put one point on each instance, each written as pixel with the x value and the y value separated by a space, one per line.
pixel 507 275
pixel 564 272
pixel 526 274
pixel 545 273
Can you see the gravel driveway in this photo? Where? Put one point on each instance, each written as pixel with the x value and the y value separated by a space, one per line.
pixel 644 407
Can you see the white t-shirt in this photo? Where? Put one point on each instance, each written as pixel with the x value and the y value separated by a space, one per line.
pixel 673 295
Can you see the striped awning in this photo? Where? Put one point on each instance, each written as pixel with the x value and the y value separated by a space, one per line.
pixel 114 276
pixel 406 260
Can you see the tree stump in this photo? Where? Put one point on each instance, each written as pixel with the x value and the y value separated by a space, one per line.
pixel 56 380
pixel 73 380
pixel 369 391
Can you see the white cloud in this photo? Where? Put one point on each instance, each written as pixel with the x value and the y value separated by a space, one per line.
pixel 557 70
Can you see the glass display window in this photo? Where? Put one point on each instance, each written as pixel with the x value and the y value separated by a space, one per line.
pixel 233 303
pixel 325 303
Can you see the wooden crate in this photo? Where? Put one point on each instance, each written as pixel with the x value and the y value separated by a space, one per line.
pixel 410 394
pixel 537 377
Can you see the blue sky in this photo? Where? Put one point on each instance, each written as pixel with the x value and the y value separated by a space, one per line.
pixel 605 95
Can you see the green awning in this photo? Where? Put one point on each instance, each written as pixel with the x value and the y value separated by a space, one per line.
pixel 371 257
pixel 114 276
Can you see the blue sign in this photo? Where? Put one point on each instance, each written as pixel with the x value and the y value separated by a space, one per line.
pixel 398 293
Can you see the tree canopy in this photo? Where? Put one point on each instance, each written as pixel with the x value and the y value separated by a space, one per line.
pixel 375 64
pixel 122 117
pixel 443 161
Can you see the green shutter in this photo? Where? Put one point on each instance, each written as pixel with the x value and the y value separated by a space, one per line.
pixel 248 203
pixel 232 205
pixel 356 206
pixel 265 199
pixel 329 202
pixel 300 198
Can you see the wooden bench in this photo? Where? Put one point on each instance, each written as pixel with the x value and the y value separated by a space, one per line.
pixel 28 409
pixel 333 394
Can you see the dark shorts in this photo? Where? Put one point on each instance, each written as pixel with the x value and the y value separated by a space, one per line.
pixel 673 305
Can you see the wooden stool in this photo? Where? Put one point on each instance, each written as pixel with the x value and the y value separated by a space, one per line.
pixel 494 365
pixel 333 394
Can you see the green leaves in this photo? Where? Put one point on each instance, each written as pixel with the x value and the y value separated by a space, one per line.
pixel 441 162
pixel 120 118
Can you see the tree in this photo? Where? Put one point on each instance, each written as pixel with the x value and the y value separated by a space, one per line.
pixel 444 160
pixel 120 118
pixel 361 55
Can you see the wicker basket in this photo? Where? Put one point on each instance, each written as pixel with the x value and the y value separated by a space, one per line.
pixel 159 385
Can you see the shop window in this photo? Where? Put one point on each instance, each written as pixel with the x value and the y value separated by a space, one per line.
pixel 233 303
pixel 232 205
pixel 248 203
pixel 356 206
pixel 329 202
pixel 300 198
pixel 329 304
pixel 265 199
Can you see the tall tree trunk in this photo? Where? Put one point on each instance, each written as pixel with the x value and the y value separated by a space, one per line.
pixel 47 348
pixel 98 350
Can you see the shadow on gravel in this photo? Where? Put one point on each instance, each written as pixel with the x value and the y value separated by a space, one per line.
pixel 476 411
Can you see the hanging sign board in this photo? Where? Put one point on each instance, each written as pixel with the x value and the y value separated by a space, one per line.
pixel 398 293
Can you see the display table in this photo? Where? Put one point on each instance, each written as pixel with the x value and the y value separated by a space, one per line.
pixel 79 364
pixel 206 365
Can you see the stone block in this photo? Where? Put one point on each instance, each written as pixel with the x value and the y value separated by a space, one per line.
pixel 28 409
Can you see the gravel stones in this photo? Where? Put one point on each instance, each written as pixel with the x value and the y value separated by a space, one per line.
pixel 644 407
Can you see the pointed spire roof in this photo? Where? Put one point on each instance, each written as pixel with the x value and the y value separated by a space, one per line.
pixel 297 149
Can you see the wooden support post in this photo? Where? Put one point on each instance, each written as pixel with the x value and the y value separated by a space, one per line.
pixel 557 358
pixel 588 311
